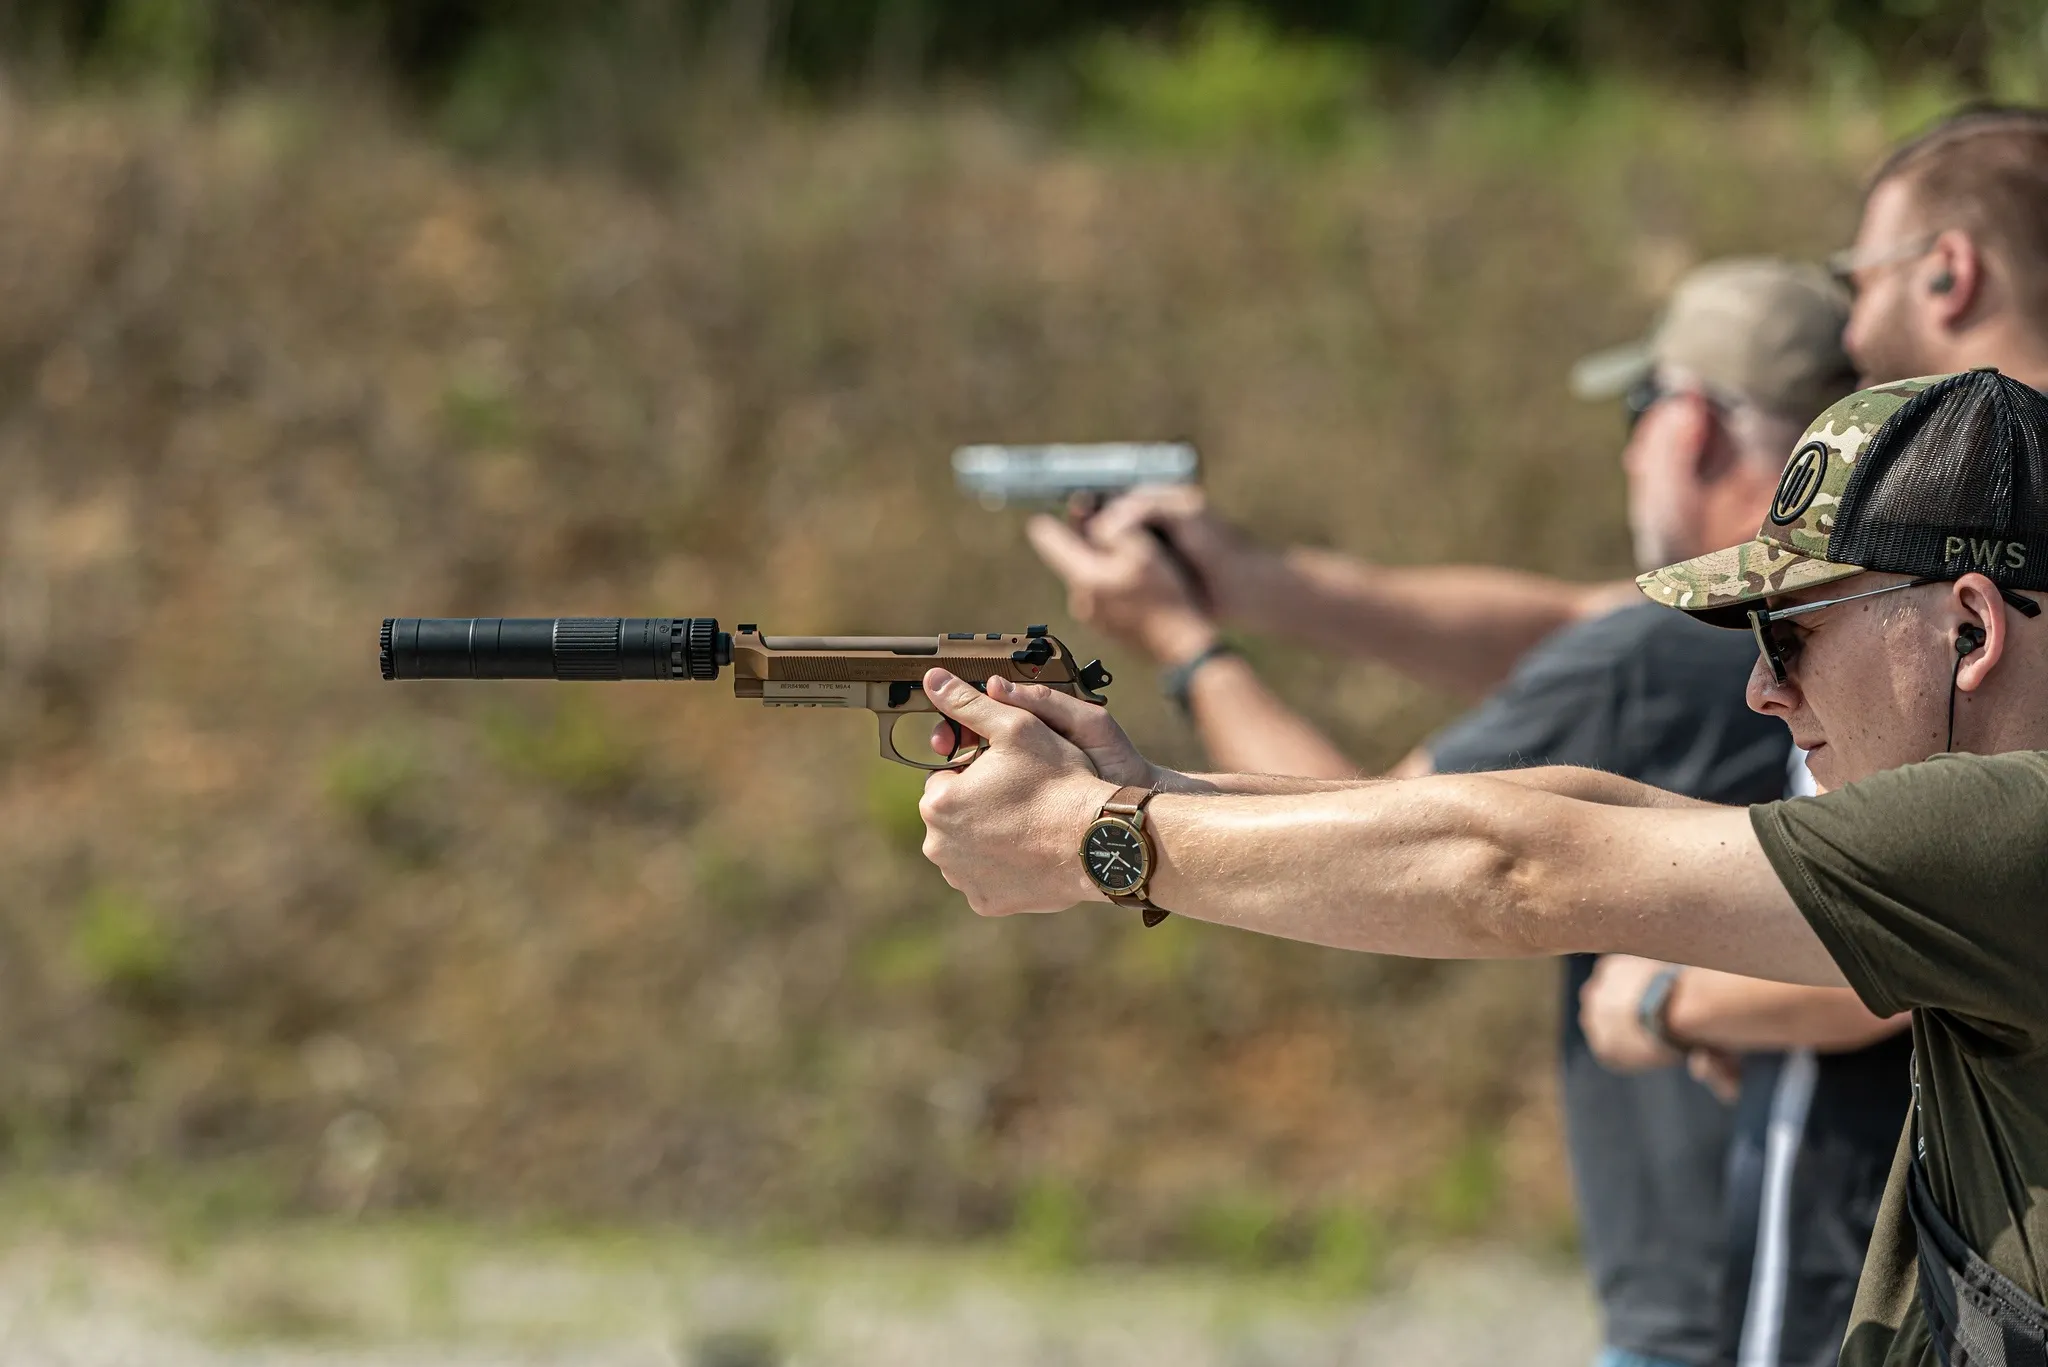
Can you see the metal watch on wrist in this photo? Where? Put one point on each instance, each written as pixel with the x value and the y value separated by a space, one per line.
pixel 1116 851
pixel 1653 1009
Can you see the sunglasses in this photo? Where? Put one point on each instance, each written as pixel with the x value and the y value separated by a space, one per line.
pixel 1848 268
pixel 1780 645
pixel 1642 396
pixel 1646 393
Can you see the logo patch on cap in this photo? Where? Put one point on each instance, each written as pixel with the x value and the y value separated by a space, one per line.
pixel 1800 484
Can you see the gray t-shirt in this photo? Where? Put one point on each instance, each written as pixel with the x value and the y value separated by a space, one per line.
pixel 1651 695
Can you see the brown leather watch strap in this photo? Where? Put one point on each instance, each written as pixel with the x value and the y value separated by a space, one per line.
pixel 1152 915
pixel 1130 801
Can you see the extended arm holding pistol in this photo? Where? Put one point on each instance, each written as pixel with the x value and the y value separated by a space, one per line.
pixel 883 674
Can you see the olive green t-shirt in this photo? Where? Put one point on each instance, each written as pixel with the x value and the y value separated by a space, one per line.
pixel 1929 886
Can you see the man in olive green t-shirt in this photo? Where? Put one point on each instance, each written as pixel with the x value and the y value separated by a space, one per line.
pixel 1894 592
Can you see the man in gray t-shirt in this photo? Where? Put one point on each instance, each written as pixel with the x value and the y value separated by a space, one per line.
pixel 1654 696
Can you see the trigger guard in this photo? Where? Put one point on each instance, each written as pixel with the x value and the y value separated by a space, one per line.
pixel 886 723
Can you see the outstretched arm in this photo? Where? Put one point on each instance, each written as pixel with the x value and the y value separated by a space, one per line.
pixel 1472 867
pixel 1246 728
pixel 1120 580
pixel 1460 627
pixel 1444 867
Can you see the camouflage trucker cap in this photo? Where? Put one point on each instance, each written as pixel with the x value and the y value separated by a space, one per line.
pixel 1932 477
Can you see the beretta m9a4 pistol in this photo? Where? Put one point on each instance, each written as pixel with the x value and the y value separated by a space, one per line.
pixel 1080 478
pixel 883 674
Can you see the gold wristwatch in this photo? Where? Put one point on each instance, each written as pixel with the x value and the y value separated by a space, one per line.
pixel 1116 851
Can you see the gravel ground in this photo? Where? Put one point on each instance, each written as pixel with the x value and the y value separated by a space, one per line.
pixel 407 1298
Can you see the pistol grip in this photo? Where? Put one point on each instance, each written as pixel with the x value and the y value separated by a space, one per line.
pixel 1197 589
pixel 1081 507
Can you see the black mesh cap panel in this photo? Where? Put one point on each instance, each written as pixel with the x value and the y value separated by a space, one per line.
pixel 1955 481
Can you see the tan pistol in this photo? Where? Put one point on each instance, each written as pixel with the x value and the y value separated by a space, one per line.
pixel 884 674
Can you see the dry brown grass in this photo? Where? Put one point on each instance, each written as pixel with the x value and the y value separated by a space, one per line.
pixel 267 376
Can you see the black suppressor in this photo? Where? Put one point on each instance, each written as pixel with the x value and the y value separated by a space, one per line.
pixel 552 648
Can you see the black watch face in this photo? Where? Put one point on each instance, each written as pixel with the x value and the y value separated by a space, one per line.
pixel 1115 856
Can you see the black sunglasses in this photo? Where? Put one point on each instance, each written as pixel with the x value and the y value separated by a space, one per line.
pixel 1646 393
pixel 1642 396
pixel 1780 645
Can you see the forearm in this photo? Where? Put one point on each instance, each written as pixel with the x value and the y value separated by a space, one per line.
pixel 1474 867
pixel 1349 865
pixel 1583 785
pixel 1248 730
pixel 1724 1011
pixel 1457 626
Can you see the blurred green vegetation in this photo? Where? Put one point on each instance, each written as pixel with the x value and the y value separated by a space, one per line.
pixel 645 83
pixel 893 792
pixel 1051 1226
pixel 369 777
pixel 567 741
pixel 1465 1192
pixel 1239 1230
pixel 377 781
pixel 1234 80
pixel 479 412
pixel 442 47
pixel 1348 1251
pixel 123 947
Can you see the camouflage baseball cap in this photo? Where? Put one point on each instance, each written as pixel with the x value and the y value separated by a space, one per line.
pixel 1755 329
pixel 1933 477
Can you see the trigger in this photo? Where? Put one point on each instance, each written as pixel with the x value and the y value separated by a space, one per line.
pixel 961 754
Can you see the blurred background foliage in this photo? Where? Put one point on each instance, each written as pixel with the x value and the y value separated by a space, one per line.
pixel 565 74
pixel 317 313
pixel 431 47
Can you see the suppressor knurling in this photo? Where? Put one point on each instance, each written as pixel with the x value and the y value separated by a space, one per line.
pixel 697 640
pixel 587 648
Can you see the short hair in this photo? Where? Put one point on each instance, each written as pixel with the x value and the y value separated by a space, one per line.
pixel 1985 169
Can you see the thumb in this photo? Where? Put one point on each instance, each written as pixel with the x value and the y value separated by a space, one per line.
pixel 1161 505
pixel 966 704
pixel 1084 724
